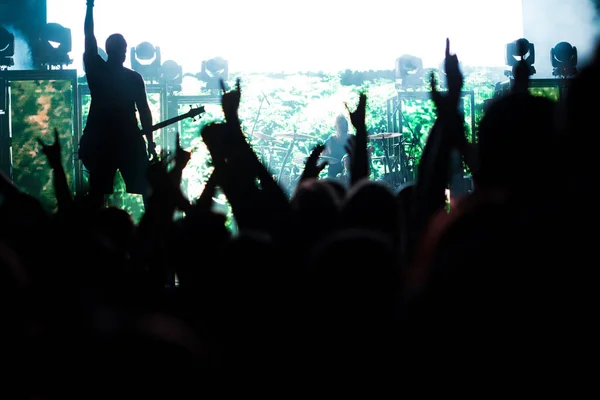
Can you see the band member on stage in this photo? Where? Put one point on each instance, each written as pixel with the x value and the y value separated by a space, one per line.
pixel 112 139
pixel 335 147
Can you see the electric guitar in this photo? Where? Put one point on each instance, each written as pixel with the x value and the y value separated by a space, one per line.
pixel 192 113
pixel 90 142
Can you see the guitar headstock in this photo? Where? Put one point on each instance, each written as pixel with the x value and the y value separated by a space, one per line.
pixel 194 112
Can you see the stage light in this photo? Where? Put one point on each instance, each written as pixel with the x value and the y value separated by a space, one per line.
pixel 564 60
pixel 146 59
pixel 172 75
pixel 213 71
pixel 53 47
pixel 7 48
pixel 409 69
pixel 172 72
pixel 520 50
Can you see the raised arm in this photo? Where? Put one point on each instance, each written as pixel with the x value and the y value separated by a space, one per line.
pixel 91 45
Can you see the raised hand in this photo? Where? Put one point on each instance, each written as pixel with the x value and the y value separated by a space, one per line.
pixel 453 74
pixel 182 157
pixel 357 117
pixel 359 158
pixel 61 186
pixel 312 168
pixel 52 151
pixel 231 100
pixel 455 82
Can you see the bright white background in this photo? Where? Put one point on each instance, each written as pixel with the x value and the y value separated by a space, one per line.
pixel 280 35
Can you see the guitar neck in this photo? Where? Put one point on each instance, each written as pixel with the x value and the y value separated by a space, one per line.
pixel 171 121
pixel 168 122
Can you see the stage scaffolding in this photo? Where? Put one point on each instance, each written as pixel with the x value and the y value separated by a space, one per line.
pixel 554 88
pixel 398 122
pixel 72 105
pixel 49 105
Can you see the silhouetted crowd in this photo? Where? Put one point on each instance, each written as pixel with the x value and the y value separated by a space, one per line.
pixel 334 281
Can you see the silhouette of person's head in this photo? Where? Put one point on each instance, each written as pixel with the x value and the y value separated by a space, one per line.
pixel 517 127
pixel 116 48
pixel 341 126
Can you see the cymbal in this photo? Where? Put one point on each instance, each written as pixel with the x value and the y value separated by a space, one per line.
pixel 297 136
pixel 330 160
pixel 263 136
pixel 389 135
pixel 383 158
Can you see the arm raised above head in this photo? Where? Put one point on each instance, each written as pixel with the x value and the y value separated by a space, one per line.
pixel 91 45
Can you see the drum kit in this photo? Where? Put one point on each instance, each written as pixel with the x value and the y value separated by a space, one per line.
pixel 286 153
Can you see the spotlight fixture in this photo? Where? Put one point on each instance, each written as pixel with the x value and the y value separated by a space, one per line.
pixel 7 48
pixel 520 50
pixel 54 46
pixel 213 71
pixel 564 60
pixel 172 75
pixel 146 60
pixel 409 69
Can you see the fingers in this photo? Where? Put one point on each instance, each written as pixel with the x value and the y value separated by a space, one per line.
pixel 362 101
pixel 238 85
pixel 321 167
pixel 318 150
pixel 447 47
pixel 56 140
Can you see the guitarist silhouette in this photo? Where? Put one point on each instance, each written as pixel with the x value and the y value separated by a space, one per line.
pixel 112 139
